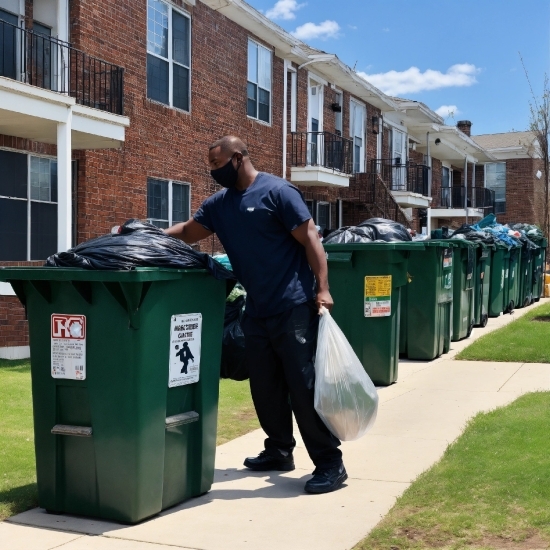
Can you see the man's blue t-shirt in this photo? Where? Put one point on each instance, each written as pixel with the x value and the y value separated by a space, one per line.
pixel 254 227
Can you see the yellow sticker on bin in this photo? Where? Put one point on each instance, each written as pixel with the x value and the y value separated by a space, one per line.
pixel 378 296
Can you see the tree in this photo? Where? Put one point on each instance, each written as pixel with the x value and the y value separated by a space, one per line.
pixel 539 124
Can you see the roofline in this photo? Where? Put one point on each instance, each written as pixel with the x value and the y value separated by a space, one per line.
pixel 291 48
pixel 418 105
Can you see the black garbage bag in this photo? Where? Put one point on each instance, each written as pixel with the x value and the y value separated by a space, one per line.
pixel 233 365
pixel 138 244
pixel 387 230
pixel 369 231
pixel 352 234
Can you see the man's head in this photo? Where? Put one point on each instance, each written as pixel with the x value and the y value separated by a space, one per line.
pixel 229 161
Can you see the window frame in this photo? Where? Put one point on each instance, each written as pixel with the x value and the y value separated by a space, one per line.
pixel 501 202
pixel 170 184
pixel 256 118
pixel 29 200
pixel 329 220
pixel 170 58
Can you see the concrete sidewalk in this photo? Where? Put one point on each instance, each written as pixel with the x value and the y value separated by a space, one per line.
pixel 418 417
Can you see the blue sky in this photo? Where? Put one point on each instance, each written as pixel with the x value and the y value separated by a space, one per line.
pixel 457 53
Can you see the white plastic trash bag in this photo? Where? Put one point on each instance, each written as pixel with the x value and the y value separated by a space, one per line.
pixel 345 397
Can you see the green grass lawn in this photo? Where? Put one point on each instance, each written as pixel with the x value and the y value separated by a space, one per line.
pixel 524 340
pixel 491 488
pixel 17 474
pixel 17 466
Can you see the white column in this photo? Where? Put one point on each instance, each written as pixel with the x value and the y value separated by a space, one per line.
pixel 61 53
pixel 63 20
pixel 285 117
pixel 64 184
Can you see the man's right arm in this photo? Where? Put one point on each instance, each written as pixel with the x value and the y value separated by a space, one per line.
pixel 189 232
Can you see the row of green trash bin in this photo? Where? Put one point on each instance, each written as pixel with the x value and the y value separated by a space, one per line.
pixel 125 425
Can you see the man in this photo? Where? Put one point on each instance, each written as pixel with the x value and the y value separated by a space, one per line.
pixel 185 354
pixel 272 243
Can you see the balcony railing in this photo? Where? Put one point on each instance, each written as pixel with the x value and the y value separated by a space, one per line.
pixel 408 176
pixel 49 63
pixel 478 197
pixel 322 149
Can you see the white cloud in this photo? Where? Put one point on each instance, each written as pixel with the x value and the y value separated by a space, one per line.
pixel 412 80
pixel 284 9
pixel 386 29
pixel 324 30
pixel 446 111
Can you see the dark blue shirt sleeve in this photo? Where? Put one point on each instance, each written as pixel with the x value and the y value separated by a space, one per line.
pixel 204 215
pixel 291 207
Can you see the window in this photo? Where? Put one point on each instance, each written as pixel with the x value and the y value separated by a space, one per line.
pixel 167 202
pixel 28 207
pixel 495 179
pixel 8 44
pixel 258 89
pixel 446 187
pixel 323 215
pixel 168 55
pixel 358 115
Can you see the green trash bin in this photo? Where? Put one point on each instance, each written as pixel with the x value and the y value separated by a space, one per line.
pixel 366 282
pixel 526 277
pixel 482 283
pixel 511 298
pixel 464 267
pixel 539 263
pixel 426 302
pixel 121 431
pixel 499 279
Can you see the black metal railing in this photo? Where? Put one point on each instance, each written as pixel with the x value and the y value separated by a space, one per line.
pixel 458 197
pixel 49 63
pixel 407 176
pixel 322 149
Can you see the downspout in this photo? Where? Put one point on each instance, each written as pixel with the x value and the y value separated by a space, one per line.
pixel 285 116
pixel 429 209
pixel 466 187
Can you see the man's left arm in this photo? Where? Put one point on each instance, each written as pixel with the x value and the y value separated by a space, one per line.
pixel 306 234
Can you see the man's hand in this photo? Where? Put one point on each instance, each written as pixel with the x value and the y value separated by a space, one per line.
pixel 324 299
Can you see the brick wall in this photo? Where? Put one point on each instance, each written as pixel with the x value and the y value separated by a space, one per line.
pixel 162 142
pixel 13 325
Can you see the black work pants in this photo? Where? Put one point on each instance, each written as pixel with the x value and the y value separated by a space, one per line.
pixel 280 351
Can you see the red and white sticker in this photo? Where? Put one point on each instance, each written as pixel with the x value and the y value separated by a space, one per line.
pixel 68 334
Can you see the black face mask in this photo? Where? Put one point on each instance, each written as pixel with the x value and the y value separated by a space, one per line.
pixel 227 175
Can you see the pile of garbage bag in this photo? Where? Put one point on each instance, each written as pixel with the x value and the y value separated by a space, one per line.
pixel 137 244
pixel 489 231
pixel 370 231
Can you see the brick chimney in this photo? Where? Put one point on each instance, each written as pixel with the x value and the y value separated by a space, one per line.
pixel 465 126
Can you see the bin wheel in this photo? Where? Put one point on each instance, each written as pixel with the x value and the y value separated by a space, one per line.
pixel 484 320
pixel 470 328
pixel 511 306
pixel 526 302
pixel 53 512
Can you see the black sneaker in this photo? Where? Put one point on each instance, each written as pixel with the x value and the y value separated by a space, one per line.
pixel 265 462
pixel 326 480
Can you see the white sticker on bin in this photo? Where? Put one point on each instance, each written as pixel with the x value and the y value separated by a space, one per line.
pixel 68 352
pixel 185 349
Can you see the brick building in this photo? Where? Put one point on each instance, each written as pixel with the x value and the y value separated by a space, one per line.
pixel 107 110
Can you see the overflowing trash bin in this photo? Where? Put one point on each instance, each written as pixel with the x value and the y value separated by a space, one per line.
pixel 539 263
pixel 499 280
pixel 511 295
pixel 427 301
pixel 125 377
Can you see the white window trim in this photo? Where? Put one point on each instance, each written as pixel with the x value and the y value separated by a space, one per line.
pixel 170 199
pixel 171 61
pixel 293 97
pixel 362 164
pixel 256 119
pixel 323 203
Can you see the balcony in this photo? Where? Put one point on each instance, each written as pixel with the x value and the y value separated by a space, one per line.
pixel 409 182
pixel 53 93
pixel 457 202
pixel 51 64
pixel 321 159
